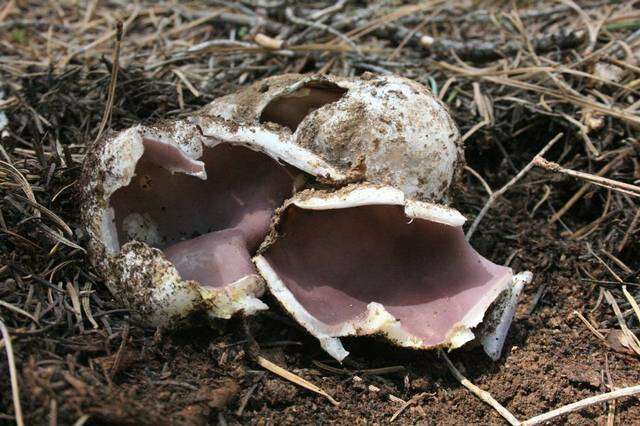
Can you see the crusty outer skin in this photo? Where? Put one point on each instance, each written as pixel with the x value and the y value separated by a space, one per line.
pixel 92 199
pixel 129 273
pixel 367 140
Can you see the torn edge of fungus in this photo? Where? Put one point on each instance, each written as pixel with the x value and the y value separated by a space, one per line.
pixel 152 288
pixel 497 309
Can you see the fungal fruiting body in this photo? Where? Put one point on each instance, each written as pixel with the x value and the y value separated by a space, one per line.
pixel 167 227
pixel 204 214
pixel 365 260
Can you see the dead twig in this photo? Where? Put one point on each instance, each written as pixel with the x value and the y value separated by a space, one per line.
pixel 579 405
pixel 615 185
pixel 482 394
pixel 497 194
pixel 404 406
pixel 483 51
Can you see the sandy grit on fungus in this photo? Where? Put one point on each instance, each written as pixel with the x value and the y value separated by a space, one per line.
pixel 320 189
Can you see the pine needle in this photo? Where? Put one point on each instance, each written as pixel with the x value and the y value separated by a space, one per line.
pixel 285 374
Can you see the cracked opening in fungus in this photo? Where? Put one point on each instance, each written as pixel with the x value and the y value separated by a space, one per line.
pixel 289 110
pixel 208 228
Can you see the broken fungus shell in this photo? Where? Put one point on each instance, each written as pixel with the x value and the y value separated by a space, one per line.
pixel 380 129
pixel 174 219
pixel 176 212
pixel 365 260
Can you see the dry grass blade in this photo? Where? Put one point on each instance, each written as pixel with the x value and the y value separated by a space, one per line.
pixel 75 302
pixel 293 378
pixel 112 84
pixel 21 181
pixel 607 267
pixel 59 238
pixel 82 420
pixel 591 28
pixel 482 394
pixel 617 261
pixel 589 326
pixel 86 305
pixel 15 391
pixel 579 405
pixel 391 17
pixel 18 311
pixel 563 96
pixel 631 339
pixel 626 188
pixel 48 213
pixel 297 20
pixel 632 301
pixel 620 114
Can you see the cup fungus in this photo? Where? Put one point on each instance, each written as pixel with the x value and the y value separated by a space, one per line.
pixel 364 260
pixel 203 214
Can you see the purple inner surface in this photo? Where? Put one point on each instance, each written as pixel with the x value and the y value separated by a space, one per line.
pixel 426 275
pixel 207 228
pixel 289 110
